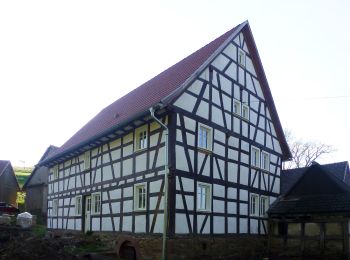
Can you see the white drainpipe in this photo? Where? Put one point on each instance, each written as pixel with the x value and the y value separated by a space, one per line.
pixel 165 224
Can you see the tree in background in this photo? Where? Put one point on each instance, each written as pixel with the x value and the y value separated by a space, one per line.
pixel 304 153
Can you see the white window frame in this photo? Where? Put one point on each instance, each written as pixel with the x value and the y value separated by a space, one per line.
pixel 55 207
pixel 136 196
pixel 78 206
pixel 265 166
pixel 209 137
pixel 208 196
pixel 138 145
pixel 241 58
pixel 245 116
pixel 254 204
pixel 264 206
pixel 255 162
pixel 55 174
pixel 87 160
pixel 96 210
pixel 238 103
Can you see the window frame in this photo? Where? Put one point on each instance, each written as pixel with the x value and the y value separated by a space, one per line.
pixel 55 205
pixel 136 196
pixel 55 173
pixel 208 196
pixel 256 207
pixel 262 163
pixel 241 53
pixel 262 211
pixel 245 107
pixel 93 203
pixel 87 160
pixel 209 137
pixel 78 210
pixel 257 161
pixel 235 101
pixel 139 130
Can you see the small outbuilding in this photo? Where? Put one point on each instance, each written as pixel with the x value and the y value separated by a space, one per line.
pixel 8 183
pixel 311 217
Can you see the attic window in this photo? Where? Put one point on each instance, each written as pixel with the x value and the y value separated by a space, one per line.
pixel 241 58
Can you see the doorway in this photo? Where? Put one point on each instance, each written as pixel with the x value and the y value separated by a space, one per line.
pixel 87 214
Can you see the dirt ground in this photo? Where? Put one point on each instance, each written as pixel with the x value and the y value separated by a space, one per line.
pixel 16 243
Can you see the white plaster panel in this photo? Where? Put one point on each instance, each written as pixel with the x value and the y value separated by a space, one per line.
pixel 153 203
pixel 219 206
pixel 190 139
pixel 220 62
pixel 254 226
pixel 269 141
pixel 232 172
pixel 95 224
pixel 155 186
pixel 98 175
pixel 273 129
pixel 276 186
pixel 219 149
pixel 127 223
pixel 186 102
pixel 215 96
pixel 258 88
pixel 116 168
pixel 243 209
pixel 106 158
pixel 218 190
pixel 179 202
pixel 181 161
pixel 231 51
pixel 140 224
pixel 249 65
pixel 116 223
pixel 179 135
pixel 200 219
pixel 115 207
pixel 206 168
pixel 128 192
pixel 253 117
pixel 245 158
pixel 236 40
pixel 231 193
pixel 107 173
pixel 154 139
pixel 228 121
pixel 244 128
pixel 141 162
pixel 244 172
pixel 181 226
pixel 219 225
pixel 158 227
pixel 236 125
pixel 214 79
pixel 203 109
pixel 127 205
pixel 107 224
pixel 115 194
pixel 128 150
pixel 189 202
pixel 249 83
pixel 115 143
pixel 216 116
pixel 233 141
pixel 241 76
pixel 243 195
pixel 232 225
pixel 262 122
pixel 219 135
pixel 277 146
pixel 105 208
pixel 196 87
pixel 231 71
pixel 78 224
pixel 206 92
pixel 226 85
pixel 190 124
pixel 127 167
pixel 187 184
pixel 227 102
pixel 260 137
pixel 231 207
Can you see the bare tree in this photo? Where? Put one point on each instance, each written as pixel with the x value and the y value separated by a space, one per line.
pixel 304 153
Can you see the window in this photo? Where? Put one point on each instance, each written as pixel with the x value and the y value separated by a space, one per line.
pixel 241 58
pixel 264 205
pixel 255 157
pixel 55 172
pixel 78 200
pixel 265 161
pixel 140 196
pixel 237 107
pixel 87 162
pixel 55 207
pixel 96 203
pixel 204 137
pixel 141 138
pixel 254 204
pixel 245 111
pixel 203 197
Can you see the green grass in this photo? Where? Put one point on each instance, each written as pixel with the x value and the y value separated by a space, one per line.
pixel 22 175
pixel 39 230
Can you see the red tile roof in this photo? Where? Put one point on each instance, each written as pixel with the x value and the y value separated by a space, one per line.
pixel 145 96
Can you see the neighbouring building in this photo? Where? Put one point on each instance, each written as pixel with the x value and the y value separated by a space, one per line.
pixel 311 217
pixel 36 188
pixel 224 154
pixel 8 183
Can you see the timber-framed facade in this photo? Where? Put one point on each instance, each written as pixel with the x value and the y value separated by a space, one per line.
pixel 225 151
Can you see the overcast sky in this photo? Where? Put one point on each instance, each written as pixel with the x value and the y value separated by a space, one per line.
pixel 61 62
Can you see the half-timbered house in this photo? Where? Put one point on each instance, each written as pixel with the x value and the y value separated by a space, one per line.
pixel 210 123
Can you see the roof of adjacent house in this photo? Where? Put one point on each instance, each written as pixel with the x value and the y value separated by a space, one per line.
pixel 318 189
pixel 164 88
pixel 290 176
pixel 4 164
pixel 46 154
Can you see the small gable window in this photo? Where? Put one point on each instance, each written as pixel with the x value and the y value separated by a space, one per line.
pixel 140 196
pixel 141 138
pixel 255 157
pixel 241 57
pixel 237 107
pixel 265 161
pixel 203 197
pixel 245 111
pixel 204 137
